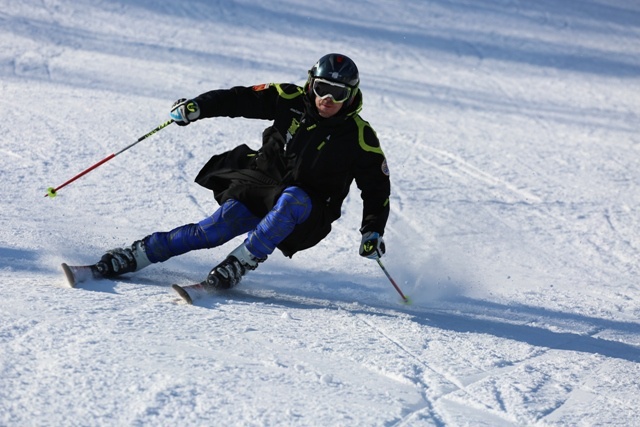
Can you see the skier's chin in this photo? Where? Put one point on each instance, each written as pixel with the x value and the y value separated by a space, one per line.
pixel 327 111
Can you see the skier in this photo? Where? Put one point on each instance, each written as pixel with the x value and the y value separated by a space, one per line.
pixel 286 194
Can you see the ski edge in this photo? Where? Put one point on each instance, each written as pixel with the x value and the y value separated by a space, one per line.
pixel 195 291
pixel 71 279
pixel 76 274
pixel 183 293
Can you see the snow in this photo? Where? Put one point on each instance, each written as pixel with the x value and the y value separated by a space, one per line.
pixel 511 130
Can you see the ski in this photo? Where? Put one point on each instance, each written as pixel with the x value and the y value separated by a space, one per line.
pixel 194 292
pixel 76 274
pixel 80 273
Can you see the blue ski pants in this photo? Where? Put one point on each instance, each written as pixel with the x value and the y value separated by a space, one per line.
pixel 230 220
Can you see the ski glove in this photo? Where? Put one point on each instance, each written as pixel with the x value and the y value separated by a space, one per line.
pixel 372 245
pixel 185 111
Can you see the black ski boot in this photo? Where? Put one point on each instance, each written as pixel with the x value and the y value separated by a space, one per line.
pixel 229 272
pixel 123 260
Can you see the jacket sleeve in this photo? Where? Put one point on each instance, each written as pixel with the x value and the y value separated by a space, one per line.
pixel 256 102
pixel 372 178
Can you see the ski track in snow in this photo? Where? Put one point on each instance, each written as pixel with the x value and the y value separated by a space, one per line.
pixel 511 131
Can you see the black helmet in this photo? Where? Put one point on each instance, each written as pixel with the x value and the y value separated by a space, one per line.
pixel 337 68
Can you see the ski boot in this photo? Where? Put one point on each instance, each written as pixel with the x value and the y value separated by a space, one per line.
pixel 229 272
pixel 114 263
pixel 123 260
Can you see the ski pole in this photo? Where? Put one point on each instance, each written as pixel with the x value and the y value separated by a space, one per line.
pixel 393 282
pixel 51 192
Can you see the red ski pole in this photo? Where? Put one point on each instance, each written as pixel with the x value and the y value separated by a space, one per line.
pixel 52 192
pixel 393 282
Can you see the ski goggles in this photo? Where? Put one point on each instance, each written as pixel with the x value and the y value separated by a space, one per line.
pixel 337 91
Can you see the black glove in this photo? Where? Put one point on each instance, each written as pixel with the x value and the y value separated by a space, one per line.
pixel 372 245
pixel 185 111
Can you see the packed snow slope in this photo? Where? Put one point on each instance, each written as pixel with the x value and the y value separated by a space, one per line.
pixel 512 131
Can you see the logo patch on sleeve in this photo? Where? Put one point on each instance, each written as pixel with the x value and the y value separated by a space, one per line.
pixel 258 88
pixel 385 167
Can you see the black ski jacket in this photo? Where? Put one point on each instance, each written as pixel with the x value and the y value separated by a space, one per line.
pixel 321 156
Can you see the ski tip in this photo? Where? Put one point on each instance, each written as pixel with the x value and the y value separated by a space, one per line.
pixel 407 301
pixel 71 280
pixel 183 294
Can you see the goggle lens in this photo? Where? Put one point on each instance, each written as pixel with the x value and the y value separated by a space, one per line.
pixel 336 91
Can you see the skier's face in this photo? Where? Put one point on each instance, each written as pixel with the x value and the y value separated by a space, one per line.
pixel 327 107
